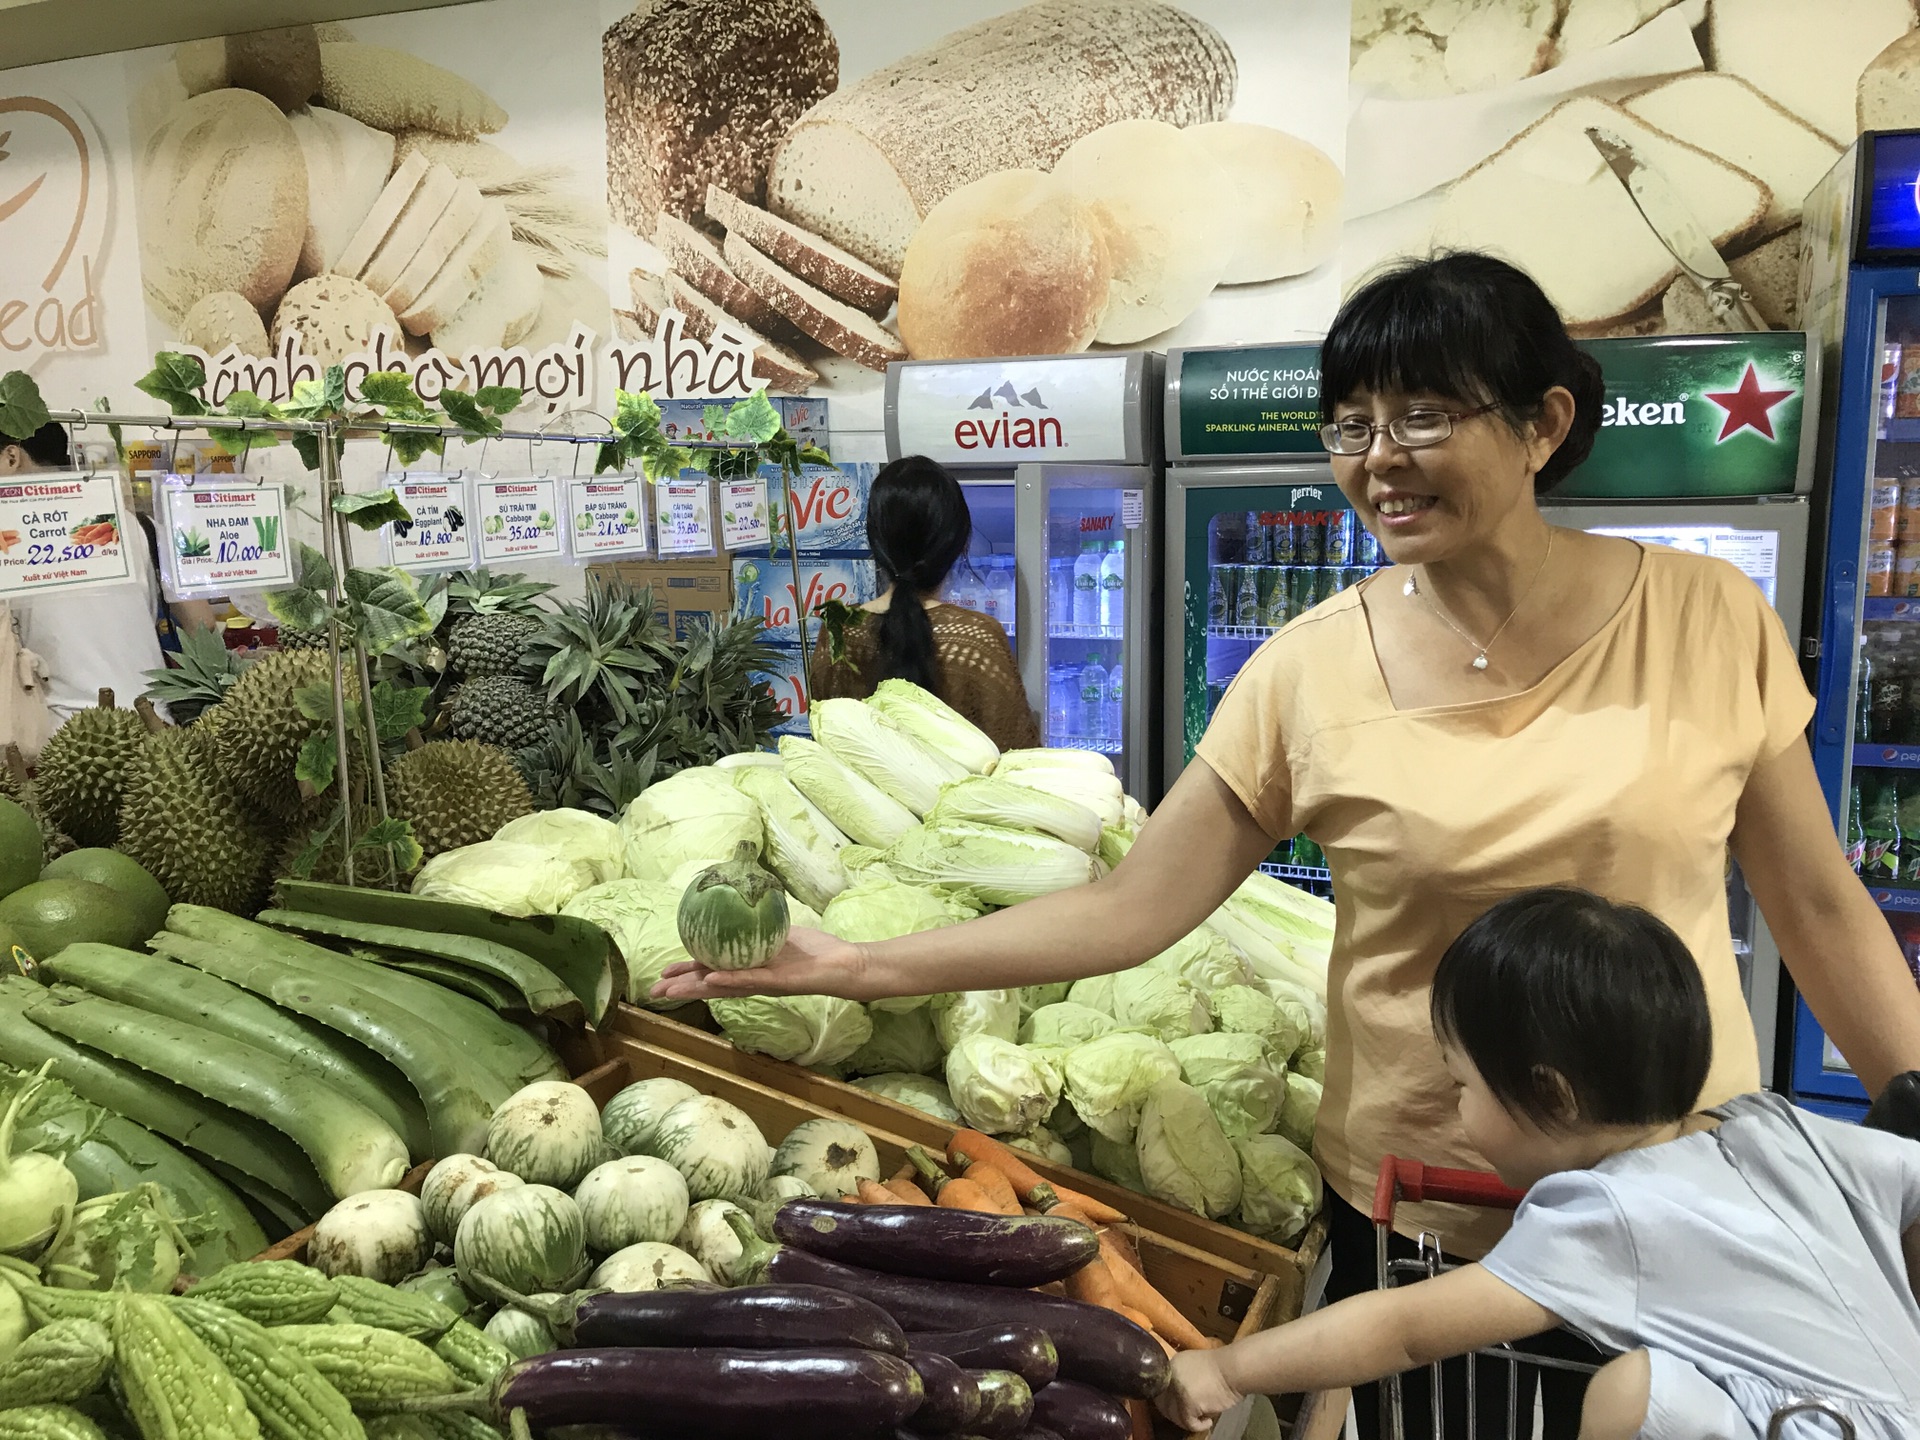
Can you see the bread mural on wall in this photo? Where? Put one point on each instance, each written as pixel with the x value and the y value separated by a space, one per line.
pixel 303 186
pixel 1063 174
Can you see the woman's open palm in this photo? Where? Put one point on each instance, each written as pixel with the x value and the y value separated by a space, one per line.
pixel 812 962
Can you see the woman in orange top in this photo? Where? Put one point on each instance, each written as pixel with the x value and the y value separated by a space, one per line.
pixel 918 527
pixel 1510 706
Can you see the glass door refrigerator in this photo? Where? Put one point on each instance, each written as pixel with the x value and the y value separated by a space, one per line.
pixel 1060 459
pixel 1860 301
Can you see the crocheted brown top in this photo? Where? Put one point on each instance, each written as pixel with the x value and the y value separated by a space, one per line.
pixel 973 668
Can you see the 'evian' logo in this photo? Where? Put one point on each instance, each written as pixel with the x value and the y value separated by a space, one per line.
pixel 1007 431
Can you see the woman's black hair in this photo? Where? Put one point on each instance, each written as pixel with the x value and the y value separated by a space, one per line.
pixel 47 446
pixel 1470 327
pixel 918 525
pixel 1561 998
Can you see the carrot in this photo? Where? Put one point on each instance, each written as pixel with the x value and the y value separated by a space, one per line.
pixel 1142 1415
pixel 968 1146
pixel 1119 1246
pixel 994 1181
pixel 905 1172
pixel 1138 1317
pixel 872 1192
pixel 1098 1209
pixel 905 1192
pixel 965 1195
pixel 1093 1284
pixel 1169 1322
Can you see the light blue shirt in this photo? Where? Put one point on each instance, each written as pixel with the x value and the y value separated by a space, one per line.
pixel 1765 1253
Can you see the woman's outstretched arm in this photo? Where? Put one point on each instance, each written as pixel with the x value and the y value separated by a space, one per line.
pixel 1200 844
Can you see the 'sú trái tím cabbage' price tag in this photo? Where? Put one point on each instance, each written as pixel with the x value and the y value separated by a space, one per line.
pixel 439 536
pixel 685 508
pixel 62 531
pixel 608 516
pixel 519 519
pixel 223 533
pixel 743 514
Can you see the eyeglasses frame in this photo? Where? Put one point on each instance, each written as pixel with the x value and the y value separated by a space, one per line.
pixel 1373 430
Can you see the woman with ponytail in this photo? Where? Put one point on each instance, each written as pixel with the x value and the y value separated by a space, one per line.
pixel 918 526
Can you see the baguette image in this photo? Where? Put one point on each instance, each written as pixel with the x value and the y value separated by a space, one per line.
pixel 1547 202
pixel 841 328
pixel 864 166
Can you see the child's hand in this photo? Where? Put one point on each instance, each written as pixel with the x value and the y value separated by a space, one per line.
pixel 1199 1391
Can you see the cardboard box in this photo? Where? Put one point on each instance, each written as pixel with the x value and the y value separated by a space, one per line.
pixel 698 588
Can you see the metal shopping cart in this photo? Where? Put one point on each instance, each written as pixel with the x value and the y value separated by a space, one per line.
pixel 1415 1183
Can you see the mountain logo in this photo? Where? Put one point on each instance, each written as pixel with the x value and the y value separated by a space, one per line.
pixel 1007 395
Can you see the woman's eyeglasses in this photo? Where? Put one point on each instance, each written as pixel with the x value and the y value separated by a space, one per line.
pixel 1414 430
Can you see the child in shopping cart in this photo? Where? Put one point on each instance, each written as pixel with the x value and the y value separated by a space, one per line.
pixel 1738 1259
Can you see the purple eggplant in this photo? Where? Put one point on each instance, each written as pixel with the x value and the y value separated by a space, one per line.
pixel 951 1396
pixel 1006 1404
pixel 935 1244
pixel 705 1394
pixel 1096 1346
pixel 765 1317
pixel 1023 1349
pixel 1080 1412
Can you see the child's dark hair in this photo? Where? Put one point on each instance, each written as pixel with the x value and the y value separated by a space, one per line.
pixel 918 525
pixel 1558 985
pixel 1471 327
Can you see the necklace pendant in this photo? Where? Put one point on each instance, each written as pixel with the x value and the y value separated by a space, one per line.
pixel 1410 588
pixel 1480 661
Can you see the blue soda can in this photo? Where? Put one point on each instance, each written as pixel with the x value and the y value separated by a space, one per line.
pixel 1256 549
pixel 1309 538
pixel 1223 593
pixel 1367 550
pixel 1337 543
pixel 1282 545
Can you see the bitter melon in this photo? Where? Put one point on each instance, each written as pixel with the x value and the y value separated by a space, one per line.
pixel 369 1365
pixel 47 1422
pixel 271 1292
pixel 175 1388
pixel 360 1301
pixel 59 1362
pixel 288 1396
pixel 474 1356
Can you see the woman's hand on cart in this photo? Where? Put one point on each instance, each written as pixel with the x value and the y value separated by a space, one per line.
pixel 1199 1392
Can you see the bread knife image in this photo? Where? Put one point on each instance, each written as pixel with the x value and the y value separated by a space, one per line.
pixel 1674 225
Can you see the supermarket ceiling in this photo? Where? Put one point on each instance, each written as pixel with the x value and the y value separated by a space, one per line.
pixel 34 31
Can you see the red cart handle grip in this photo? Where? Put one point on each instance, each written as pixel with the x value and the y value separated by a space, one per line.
pixel 1411 1181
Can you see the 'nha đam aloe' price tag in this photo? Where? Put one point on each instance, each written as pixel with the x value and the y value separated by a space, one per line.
pixel 608 517
pixel 223 534
pixel 519 518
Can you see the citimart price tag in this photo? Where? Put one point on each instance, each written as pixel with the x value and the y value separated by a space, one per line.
pixel 61 532
pixel 608 517
pixel 439 536
pixel 685 508
pixel 743 514
pixel 223 536
pixel 519 519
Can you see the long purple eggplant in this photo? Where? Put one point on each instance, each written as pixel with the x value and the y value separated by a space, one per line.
pixel 951 1397
pixel 935 1244
pixel 1080 1412
pixel 1006 1404
pixel 1097 1347
pixel 705 1394
pixel 1024 1349
pixel 765 1317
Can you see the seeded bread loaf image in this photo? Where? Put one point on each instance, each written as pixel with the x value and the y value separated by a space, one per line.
pixel 331 316
pixel 221 319
pixel 864 166
pixel 699 92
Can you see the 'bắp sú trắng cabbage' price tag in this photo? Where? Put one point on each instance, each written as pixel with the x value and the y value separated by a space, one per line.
pixel 743 514
pixel 223 534
pixel 685 510
pixel 439 534
pixel 62 531
pixel 519 518
pixel 609 516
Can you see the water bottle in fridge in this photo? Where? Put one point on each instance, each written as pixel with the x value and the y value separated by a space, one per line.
pixel 1086 585
pixel 1059 591
pixel 1063 695
pixel 1093 698
pixel 1113 588
pixel 1000 591
pixel 1116 705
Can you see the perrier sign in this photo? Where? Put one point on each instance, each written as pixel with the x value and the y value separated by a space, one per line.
pixel 1696 416
pixel 1686 416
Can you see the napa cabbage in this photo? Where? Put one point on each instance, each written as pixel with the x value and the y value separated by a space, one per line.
pixel 936 724
pixel 504 876
pixel 696 815
pixel 989 800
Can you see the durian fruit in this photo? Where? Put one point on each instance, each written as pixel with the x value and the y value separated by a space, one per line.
pixel 456 792
pixel 500 710
pixel 490 644
pixel 190 828
pixel 83 770
pixel 294 638
pixel 261 729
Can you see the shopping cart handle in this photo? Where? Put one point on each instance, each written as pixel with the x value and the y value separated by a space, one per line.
pixel 1411 1181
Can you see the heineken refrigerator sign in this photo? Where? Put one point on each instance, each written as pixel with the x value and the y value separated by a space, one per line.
pixel 1685 417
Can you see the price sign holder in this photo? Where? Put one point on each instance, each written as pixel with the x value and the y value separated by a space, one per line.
pixel 63 530
pixel 744 516
pixel 685 510
pixel 439 537
pixel 518 518
pixel 222 535
pixel 607 517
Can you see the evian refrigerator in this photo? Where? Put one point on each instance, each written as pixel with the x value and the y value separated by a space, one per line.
pixel 1060 460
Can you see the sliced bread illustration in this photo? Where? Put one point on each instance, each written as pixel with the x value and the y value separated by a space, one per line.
pixel 816 260
pixel 654 295
pixel 1807 54
pixel 502 307
pixel 838 326
pixel 394 196
pixel 1725 116
pixel 413 228
pixel 1547 202
pixel 695 258
pixel 465 266
pixel 347 167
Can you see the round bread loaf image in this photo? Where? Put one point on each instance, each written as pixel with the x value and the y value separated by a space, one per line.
pixel 331 316
pixel 225 318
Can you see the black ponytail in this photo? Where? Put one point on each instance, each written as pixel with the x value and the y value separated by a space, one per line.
pixel 918 525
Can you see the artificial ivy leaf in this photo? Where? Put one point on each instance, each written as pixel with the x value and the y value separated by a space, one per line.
pixel 307 447
pixel 612 455
pixel 814 455
pixel 334 388
pixel 246 404
pixel 387 608
pixel 462 411
pixel 500 399
pixel 396 838
pixel 836 618
pixel 299 609
pixel 314 701
pixel 312 570
pixel 753 418
pixel 309 400
pixel 398 709
pixel 410 445
pixel 388 387
pixel 176 381
pixel 105 407
pixel 665 462
pixel 370 509
pixel 22 411
pixel 318 761
pixel 636 414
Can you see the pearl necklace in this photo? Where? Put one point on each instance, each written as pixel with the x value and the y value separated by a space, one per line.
pixel 1479 661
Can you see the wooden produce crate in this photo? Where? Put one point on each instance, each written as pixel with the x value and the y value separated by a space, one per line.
pixel 1215 1274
